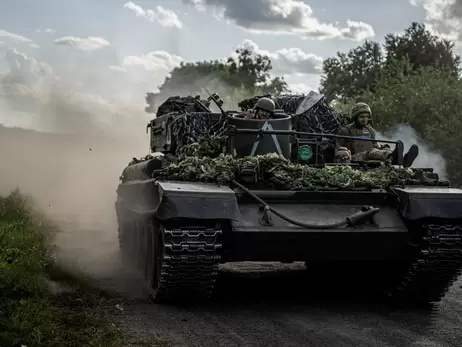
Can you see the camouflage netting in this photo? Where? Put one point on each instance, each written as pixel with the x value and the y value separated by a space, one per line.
pixel 176 104
pixel 192 121
pixel 191 117
pixel 189 127
pixel 321 118
pixel 205 161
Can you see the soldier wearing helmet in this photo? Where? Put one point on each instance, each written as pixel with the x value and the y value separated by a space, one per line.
pixel 358 150
pixel 264 109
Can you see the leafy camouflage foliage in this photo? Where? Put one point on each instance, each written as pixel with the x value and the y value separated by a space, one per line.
pixel 189 127
pixel 206 146
pixel 207 161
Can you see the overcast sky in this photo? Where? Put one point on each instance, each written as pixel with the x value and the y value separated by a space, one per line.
pixel 124 49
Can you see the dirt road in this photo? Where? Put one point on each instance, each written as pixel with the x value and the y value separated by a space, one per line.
pixel 273 315
pixel 272 305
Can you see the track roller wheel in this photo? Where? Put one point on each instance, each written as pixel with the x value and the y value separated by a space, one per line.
pixel 155 250
pixel 181 263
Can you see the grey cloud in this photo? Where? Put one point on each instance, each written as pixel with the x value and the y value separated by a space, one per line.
pixel 442 17
pixel 357 30
pixel 165 17
pixel 47 31
pixel 262 14
pixel 154 61
pixel 26 76
pixel 282 17
pixel 454 9
pixel 288 61
pixel 12 36
pixel 70 96
pixel 24 69
pixel 89 43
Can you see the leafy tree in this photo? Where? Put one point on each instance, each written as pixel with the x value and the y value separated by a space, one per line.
pixel 252 72
pixel 247 72
pixel 191 75
pixel 422 48
pixel 349 75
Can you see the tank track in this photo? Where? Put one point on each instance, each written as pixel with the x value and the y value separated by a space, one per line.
pixel 190 262
pixel 437 267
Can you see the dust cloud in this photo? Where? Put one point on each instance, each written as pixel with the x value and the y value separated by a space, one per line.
pixel 65 144
pixel 66 149
pixel 428 158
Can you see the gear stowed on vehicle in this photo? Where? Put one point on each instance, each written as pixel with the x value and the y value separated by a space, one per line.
pixel 178 231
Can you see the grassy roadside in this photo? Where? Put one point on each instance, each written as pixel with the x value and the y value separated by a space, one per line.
pixel 32 313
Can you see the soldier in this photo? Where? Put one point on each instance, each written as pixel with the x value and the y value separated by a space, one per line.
pixel 366 150
pixel 342 155
pixel 264 109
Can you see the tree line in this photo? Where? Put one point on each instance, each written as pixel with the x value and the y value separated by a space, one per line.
pixel 412 78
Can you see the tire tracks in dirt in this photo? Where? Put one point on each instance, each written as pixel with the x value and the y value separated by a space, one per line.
pixel 272 305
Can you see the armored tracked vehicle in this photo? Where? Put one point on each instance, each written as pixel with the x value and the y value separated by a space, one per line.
pixel 181 214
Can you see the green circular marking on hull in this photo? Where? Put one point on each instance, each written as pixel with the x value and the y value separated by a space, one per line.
pixel 305 153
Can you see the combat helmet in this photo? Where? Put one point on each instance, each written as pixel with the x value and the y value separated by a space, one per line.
pixel 359 108
pixel 266 104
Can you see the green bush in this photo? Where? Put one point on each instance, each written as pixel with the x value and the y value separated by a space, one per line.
pixel 429 101
pixel 413 79
pixel 29 313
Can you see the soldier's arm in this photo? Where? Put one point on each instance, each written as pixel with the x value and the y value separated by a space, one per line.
pixel 376 145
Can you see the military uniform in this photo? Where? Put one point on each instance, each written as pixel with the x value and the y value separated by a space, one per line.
pixel 360 150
